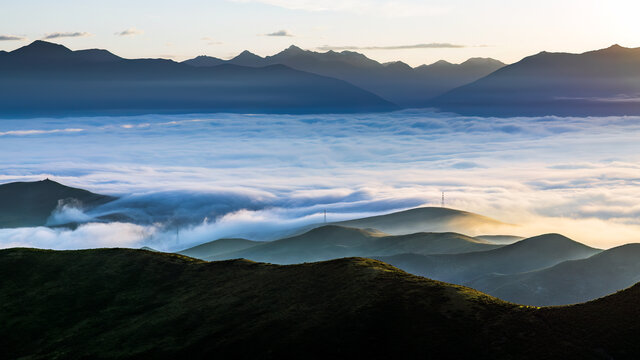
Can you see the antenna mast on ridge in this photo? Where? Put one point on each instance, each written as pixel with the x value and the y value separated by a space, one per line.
pixel 325 216
pixel 443 199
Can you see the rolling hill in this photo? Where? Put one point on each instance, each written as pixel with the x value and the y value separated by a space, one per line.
pixel 526 255
pixel 218 247
pixel 597 83
pixel 332 242
pixel 568 282
pixel 26 204
pixel 396 82
pixel 429 219
pixel 134 304
pixel 98 82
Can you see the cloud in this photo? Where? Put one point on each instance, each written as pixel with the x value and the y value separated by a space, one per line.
pixel 12 38
pixel 258 175
pixel 130 32
pixel 280 33
pixel 394 47
pixel 211 41
pixel 380 8
pixel 58 35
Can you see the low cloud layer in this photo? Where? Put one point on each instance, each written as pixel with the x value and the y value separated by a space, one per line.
pixel 223 175
pixel 58 35
pixel 393 47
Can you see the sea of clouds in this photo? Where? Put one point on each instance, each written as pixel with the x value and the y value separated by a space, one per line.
pixel 187 179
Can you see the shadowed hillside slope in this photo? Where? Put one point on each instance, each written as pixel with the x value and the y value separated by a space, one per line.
pixel 24 204
pixel 526 255
pixel 568 282
pixel 332 241
pixel 120 303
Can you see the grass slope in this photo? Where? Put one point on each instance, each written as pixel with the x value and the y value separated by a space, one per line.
pixel 332 241
pixel 136 304
pixel 25 204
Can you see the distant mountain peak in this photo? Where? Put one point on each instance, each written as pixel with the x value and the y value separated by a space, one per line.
pixel 43 48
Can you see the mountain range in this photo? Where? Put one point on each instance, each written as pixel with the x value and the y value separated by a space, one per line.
pixel 396 81
pixel 596 83
pixel 119 303
pixel 49 79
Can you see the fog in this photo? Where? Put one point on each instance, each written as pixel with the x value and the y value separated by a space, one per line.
pixel 225 175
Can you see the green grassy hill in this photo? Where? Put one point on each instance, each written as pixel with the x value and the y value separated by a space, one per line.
pixel 137 304
pixel 24 204
pixel 332 241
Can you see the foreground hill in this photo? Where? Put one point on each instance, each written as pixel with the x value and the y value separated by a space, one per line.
pixel 429 219
pixel 332 242
pixel 397 82
pixel 568 282
pixel 25 204
pixel 526 255
pixel 120 303
pixel 96 81
pixel 596 83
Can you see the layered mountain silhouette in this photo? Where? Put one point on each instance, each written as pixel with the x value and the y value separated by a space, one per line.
pixel 28 204
pixel 526 255
pixel 397 82
pixel 48 79
pixel 602 82
pixel 568 282
pixel 332 241
pixel 119 303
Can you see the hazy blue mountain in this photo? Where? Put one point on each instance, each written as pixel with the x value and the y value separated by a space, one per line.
pixel 204 61
pixel 526 255
pixel 395 81
pixel 218 247
pixel 427 219
pixel 601 82
pixel 135 304
pixel 45 78
pixel 26 204
pixel 568 282
pixel 332 241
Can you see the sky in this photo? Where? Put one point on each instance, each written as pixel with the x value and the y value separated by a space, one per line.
pixel 414 31
pixel 245 175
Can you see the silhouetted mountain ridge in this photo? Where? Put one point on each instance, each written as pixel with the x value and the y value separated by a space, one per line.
pixel 600 82
pixel 98 82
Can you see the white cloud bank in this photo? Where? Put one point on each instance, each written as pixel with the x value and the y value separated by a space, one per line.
pixel 226 175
